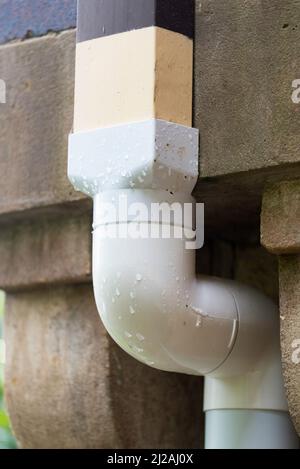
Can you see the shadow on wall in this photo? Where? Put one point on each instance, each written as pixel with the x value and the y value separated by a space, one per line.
pixel 7 440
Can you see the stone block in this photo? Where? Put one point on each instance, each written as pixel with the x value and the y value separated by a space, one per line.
pixel 44 251
pixel 35 123
pixel 280 220
pixel 69 386
pixel 246 60
pixel 290 331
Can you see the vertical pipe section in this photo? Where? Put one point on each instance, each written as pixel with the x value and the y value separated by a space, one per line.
pixel 134 62
pixel 249 429
pixel 100 18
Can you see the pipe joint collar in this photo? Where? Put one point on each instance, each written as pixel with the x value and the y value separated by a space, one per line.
pixel 152 154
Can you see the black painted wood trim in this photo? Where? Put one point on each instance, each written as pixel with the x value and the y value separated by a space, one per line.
pixel 99 18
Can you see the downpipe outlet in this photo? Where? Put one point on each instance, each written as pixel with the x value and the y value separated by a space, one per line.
pixel 149 297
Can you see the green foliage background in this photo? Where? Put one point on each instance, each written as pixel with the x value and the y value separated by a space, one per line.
pixel 7 441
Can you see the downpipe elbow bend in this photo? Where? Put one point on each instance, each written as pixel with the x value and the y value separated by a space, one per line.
pixel 156 308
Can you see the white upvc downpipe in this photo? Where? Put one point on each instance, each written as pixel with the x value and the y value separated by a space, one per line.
pixel 150 299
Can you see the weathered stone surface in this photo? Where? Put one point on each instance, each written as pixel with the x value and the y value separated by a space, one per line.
pixel 290 330
pixel 69 386
pixel 280 221
pixel 45 250
pixel 246 60
pixel 256 267
pixel 233 202
pixel 35 123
